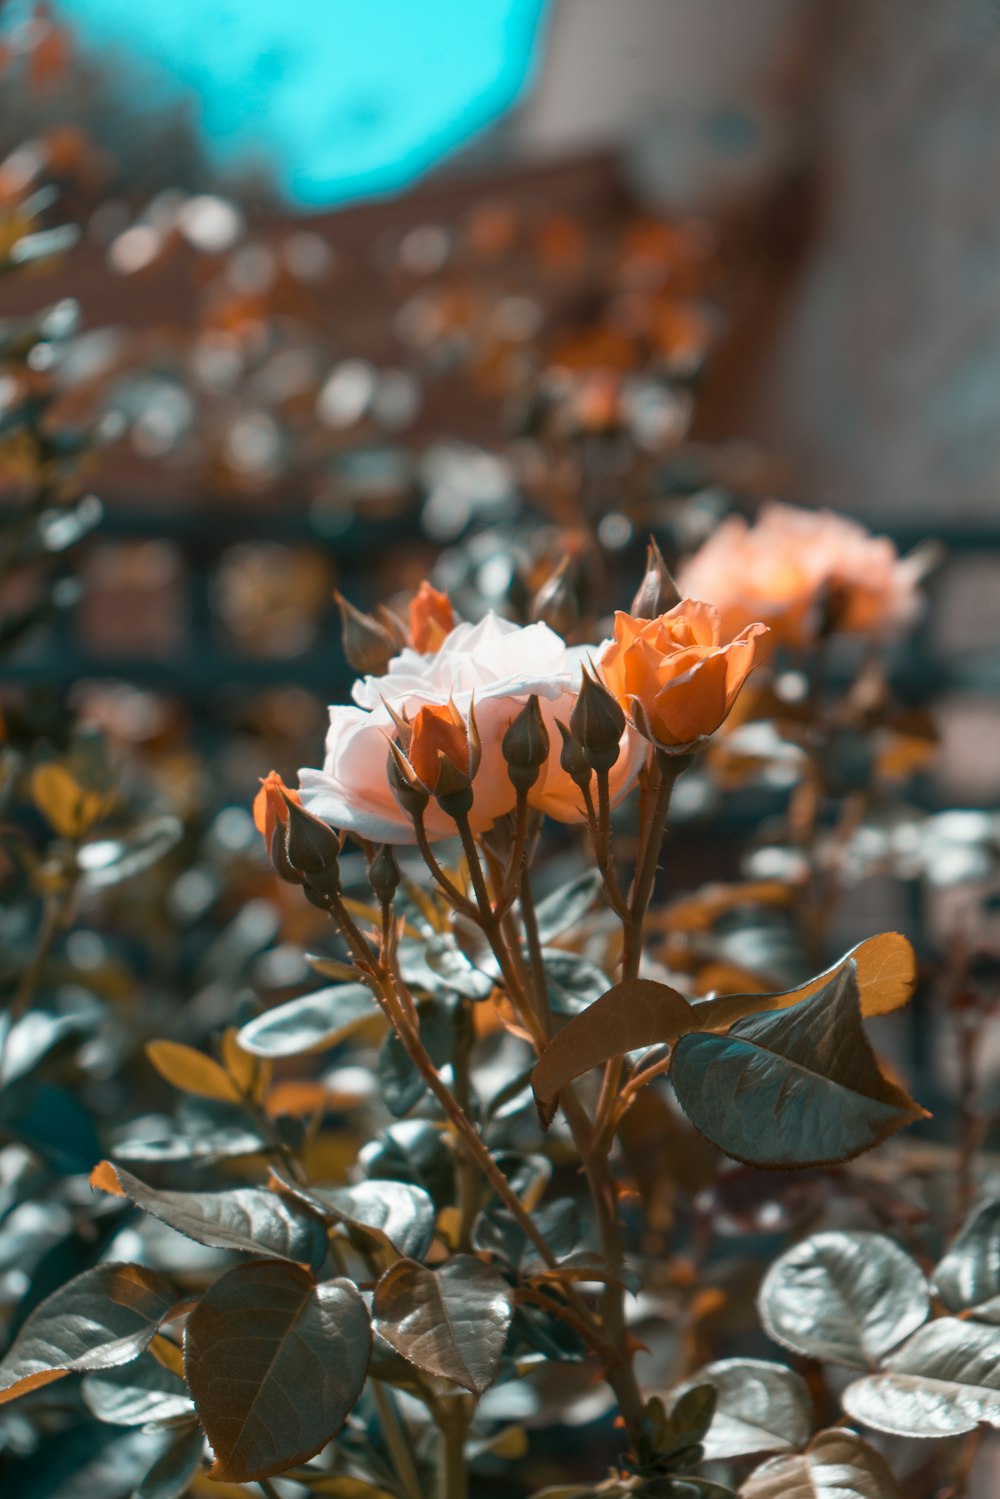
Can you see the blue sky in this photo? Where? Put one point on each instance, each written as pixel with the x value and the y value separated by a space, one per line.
pixel 347 97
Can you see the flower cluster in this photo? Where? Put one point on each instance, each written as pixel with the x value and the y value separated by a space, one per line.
pixel 443 717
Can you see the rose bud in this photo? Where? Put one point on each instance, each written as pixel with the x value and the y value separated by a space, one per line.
pixel 674 676
pixel 432 619
pixel 657 592
pixel 384 874
pixel 313 849
pixel 369 644
pixel 525 746
pixel 572 759
pixel 442 757
pixel 270 805
pixel 597 723
pixel 555 603
pixel 403 783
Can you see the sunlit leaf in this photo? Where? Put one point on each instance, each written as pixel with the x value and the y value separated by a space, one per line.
pixel 70 807
pixel 796 1087
pixel 275 1362
pixel 568 905
pixel 192 1071
pixel 847 1297
pixel 969 1274
pixel 102 1318
pixel 312 1023
pixel 886 968
pixel 760 1407
pixel 246 1218
pixel 452 1322
pixel 396 1214
pixel 136 1393
pixel 836 1465
pixel 109 861
pixel 634 1014
pixel 945 1380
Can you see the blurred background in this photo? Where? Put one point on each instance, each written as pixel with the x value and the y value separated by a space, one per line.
pixel 338 296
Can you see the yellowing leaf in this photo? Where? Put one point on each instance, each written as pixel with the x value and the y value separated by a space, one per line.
pixel 68 806
pixel 192 1071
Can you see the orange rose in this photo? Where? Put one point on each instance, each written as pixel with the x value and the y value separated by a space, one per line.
pixel 441 747
pixel 800 571
pixel 432 618
pixel 269 805
pixel 673 676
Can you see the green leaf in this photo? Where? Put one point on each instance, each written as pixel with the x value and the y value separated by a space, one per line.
pixel 944 1381
pixel 847 1297
pixel 136 1393
pixel 104 1317
pixel 412 1151
pixel 634 1014
pixel 568 905
pixel 573 982
pixel 110 861
pixel 969 1275
pixel 400 1083
pixel 451 1322
pixel 760 1407
pixel 798 1087
pixel 836 1465
pixel 246 1218
pixel 313 1022
pixel 172 1474
pixel 886 968
pixel 275 1363
pixel 207 1129
pixel 397 1215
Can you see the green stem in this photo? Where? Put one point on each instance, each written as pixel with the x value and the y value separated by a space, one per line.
pixel 454 1473
pixel 397 1440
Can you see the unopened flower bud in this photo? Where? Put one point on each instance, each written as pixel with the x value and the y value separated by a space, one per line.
pixel 453 788
pixel 555 603
pixel 573 759
pixel 384 874
pixel 657 592
pixel 597 724
pixel 525 745
pixel 369 644
pixel 312 846
pixel 279 856
pixel 403 784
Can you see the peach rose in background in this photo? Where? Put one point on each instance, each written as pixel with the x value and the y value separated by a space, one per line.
pixel 673 676
pixel 795 569
pixel 500 665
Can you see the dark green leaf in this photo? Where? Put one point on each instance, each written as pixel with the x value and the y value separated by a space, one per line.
pixel 314 1022
pixel 136 1393
pixel 836 1465
pixel 568 905
pixel 797 1087
pixel 944 1381
pixel 451 1322
pixel 634 1014
pixel 412 1151
pixel 761 1407
pixel 174 1471
pixel 573 982
pixel 396 1214
pixel 401 1084
pixel 104 1317
pixel 246 1218
pixel 969 1274
pixel 847 1297
pixel 275 1363
pixel 499 1233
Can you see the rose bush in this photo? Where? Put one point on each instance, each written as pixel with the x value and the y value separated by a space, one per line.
pixel 801 571
pixel 495 666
